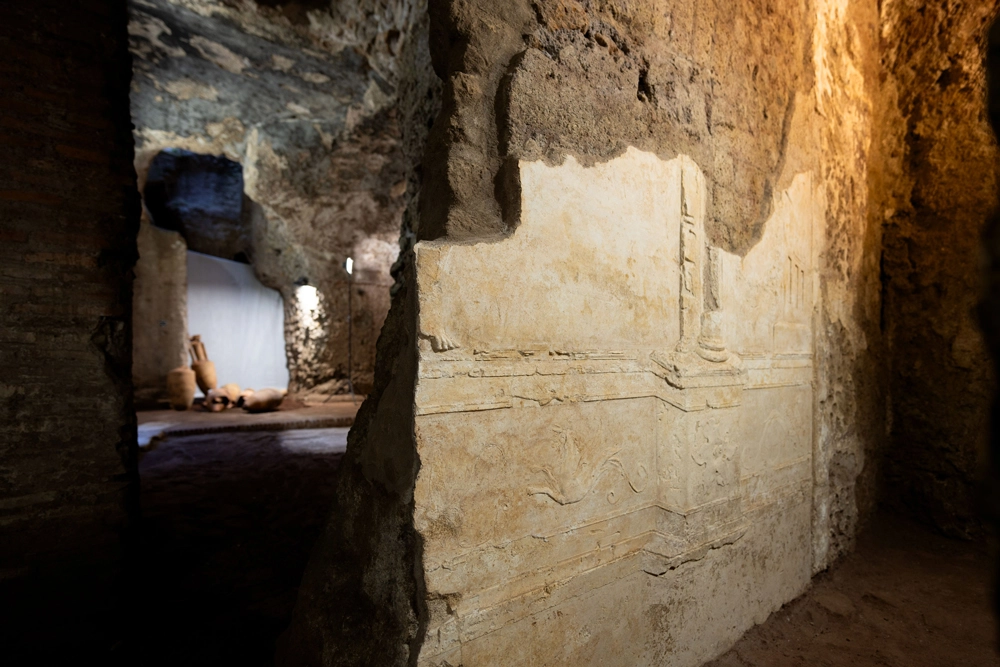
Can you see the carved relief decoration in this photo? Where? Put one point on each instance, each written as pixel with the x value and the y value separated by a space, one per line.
pixel 571 477
pixel 692 243
pixel 607 324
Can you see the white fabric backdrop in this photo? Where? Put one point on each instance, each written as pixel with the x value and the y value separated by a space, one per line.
pixel 241 322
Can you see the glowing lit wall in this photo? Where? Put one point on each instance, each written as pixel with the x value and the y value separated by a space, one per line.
pixel 240 321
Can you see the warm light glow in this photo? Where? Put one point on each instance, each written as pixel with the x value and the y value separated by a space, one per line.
pixel 349 265
pixel 308 299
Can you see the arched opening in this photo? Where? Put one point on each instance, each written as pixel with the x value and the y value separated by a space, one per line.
pixel 197 202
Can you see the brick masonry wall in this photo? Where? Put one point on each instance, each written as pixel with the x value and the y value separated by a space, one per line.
pixel 69 216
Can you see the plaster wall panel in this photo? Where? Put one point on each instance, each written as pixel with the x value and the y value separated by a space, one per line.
pixel 697 610
pixel 698 457
pixel 776 436
pixel 768 295
pixel 594 628
pixel 591 446
pixel 605 235
pixel 775 428
pixel 685 616
pixel 490 480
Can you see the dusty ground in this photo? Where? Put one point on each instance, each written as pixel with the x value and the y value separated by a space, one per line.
pixel 904 598
pixel 228 523
pixel 155 424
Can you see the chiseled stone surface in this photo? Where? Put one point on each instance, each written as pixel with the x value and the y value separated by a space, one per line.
pixel 611 415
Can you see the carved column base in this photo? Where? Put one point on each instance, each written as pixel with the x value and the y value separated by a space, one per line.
pixel 711 345
pixel 698 383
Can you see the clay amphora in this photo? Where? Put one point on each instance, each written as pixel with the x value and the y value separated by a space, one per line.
pixel 204 372
pixel 204 369
pixel 180 388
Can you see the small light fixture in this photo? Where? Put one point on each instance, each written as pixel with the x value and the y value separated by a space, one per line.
pixel 349 267
pixel 308 298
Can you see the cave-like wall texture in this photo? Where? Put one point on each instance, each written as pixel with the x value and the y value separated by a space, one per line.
pixel 989 304
pixel 754 94
pixel 317 102
pixel 940 189
pixel 751 91
pixel 69 214
pixel 590 78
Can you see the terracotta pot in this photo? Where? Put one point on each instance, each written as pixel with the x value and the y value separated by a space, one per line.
pixel 204 372
pixel 180 388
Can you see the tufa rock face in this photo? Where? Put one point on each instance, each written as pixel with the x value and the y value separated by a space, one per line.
pixel 940 188
pixel 592 78
pixel 635 355
pixel 201 197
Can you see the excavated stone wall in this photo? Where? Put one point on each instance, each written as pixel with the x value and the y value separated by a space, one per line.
pixel 940 191
pixel 851 394
pixel 628 397
pixel 629 394
pixel 69 215
pixel 312 99
pixel 989 304
pixel 159 311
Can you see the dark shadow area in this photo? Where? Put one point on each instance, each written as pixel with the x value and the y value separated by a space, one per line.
pixel 201 197
pixel 989 306
pixel 228 523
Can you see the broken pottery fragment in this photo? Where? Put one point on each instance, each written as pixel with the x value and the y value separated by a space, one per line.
pixel 217 400
pixel 264 400
pixel 244 395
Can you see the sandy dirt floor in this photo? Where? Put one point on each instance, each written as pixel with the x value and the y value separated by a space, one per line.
pixel 905 598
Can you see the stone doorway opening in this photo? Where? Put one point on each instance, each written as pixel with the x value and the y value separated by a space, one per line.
pixel 274 176
pixel 232 500
pixel 195 277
